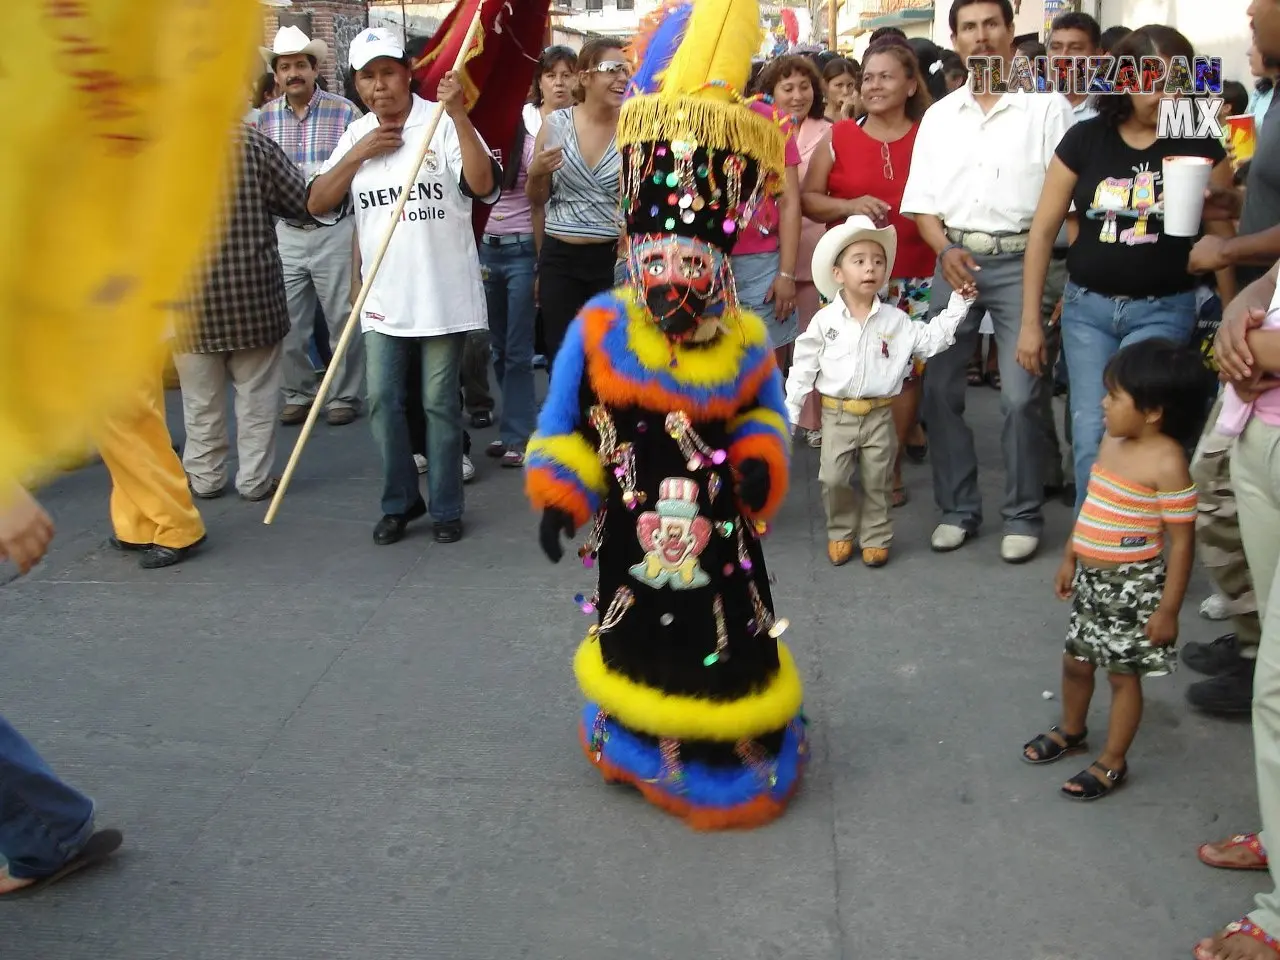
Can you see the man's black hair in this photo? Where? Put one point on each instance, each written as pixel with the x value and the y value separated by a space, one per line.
pixel 1111 36
pixel 886 32
pixel 315 64
pixel 1006 8
pixel 1236 96
pixel 1166 376
pixel 1074 20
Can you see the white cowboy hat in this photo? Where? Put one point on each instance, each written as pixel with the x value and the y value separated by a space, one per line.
pixel 833 243
pixel 291 41
pixel 373 43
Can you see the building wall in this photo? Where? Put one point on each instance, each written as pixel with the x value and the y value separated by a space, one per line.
pixel 336 22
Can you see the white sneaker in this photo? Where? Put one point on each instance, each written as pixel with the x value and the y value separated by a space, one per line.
pixel 947 537
pixel 1216 607
pixel 420 462
pixel 468 469
pixel 1018 547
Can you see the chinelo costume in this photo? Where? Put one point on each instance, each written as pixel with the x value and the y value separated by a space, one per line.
pixel 664 432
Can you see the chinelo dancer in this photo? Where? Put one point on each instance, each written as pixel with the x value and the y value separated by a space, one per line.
pixel 664 435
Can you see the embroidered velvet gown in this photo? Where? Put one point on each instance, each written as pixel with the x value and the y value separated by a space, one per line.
pixel 691 697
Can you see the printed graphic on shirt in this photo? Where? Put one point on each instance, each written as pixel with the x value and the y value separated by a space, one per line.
pixel 1131 198
pixel 673 536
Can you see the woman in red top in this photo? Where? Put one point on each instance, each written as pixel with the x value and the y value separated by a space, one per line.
pixel 865 172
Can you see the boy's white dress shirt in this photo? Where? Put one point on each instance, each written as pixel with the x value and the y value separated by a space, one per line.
pixel 847 359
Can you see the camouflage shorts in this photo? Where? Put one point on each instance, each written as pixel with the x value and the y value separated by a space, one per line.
pixel 1109 610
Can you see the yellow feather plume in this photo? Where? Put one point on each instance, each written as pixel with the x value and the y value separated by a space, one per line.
pixel 717 49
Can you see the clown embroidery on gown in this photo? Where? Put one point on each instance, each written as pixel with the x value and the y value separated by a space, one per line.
pixel 673 536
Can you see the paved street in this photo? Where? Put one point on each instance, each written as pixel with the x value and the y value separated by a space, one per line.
pixel 319 748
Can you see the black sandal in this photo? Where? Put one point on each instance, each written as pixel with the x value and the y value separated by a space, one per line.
pixel 1093 788
pixel 1048 749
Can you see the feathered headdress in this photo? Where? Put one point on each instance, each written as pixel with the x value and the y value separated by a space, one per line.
pixel 698 158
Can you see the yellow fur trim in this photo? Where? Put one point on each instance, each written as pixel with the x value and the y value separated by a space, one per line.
pixel 648 710
pixel 732 127
pixel 761 415
pixel 719 42
pixel 700 366
pixel 570 450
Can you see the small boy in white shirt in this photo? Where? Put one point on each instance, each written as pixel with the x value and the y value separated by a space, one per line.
pixel 856 352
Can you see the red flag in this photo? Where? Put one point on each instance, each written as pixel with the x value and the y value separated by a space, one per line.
pixel 498 72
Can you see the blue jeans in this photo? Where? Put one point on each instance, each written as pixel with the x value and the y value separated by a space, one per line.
pixel 43 821
pixel 1094 328
pixel 508 288
pixel 387 361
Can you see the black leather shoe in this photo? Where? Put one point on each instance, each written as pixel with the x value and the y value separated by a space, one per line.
pixel 126 546
pixel 481 419
pixel 1213 658
pixel 390 529
pixel 1227 695
pixel 155 556
pixel 450 532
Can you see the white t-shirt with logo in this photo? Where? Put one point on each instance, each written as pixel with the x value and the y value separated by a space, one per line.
pixel 429 282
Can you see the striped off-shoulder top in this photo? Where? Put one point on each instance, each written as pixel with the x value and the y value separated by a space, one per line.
pixel 1123 522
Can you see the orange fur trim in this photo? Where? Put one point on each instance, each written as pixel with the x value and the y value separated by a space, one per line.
pixel 765 447
pixel 754 813
pixel 544 489
pixel 619 390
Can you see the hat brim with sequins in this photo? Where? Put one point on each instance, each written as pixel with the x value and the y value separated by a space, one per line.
pixel 697 160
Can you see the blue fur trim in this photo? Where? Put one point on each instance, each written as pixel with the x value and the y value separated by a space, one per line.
pixel 560 411
pixel 773 396
pixel 700 785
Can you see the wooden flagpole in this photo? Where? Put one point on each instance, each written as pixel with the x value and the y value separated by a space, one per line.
pixel 356 308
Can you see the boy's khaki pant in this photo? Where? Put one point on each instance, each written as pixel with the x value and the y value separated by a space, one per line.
pixel 866 441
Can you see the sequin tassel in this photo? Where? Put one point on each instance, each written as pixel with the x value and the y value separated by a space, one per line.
pixel 622 601
pixel 599 734
pixel 696 451
pixel 620 457
pixel 721 652
pixel 754 756
pixel 671 773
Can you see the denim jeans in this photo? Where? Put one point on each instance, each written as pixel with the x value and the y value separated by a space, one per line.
pixel 1094 328
pixel 43 821
pixel 508 288
pixel 387 360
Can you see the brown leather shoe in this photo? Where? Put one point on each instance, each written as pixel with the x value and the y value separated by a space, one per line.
pixel 839 552
pixel 340 416
pixel 294 414
pixel 875 556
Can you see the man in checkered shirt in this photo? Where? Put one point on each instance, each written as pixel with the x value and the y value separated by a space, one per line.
pixel 236 325
pixel 307 122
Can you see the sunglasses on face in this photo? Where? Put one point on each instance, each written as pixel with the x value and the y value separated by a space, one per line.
pixel 612 66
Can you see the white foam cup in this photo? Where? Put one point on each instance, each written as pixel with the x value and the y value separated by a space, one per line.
pixel 1185 181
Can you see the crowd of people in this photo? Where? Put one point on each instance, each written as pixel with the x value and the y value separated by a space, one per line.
pixel 914 214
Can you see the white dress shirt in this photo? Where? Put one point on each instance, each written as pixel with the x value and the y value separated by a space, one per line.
pixel 984 171
pixel 842 357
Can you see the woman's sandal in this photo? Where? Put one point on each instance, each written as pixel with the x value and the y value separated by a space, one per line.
pixel 1048 749
pixel 1248 841
pixel 973 373
pixel 1239 928
pixel 899 496
pixel 1093 787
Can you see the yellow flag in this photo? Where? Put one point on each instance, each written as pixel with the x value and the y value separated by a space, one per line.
pixel 112 167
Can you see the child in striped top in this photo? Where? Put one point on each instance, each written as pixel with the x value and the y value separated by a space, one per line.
pixel 1127 565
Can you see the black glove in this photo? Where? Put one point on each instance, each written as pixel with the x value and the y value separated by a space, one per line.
pixel 554 522
pixel 753 483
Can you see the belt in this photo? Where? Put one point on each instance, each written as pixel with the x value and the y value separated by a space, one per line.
pixel 505 239
pixel 989 244
pixel 304 226
pixel 859 408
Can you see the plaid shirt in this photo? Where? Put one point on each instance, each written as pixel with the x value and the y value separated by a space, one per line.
pixel 308 141
pixel 242 305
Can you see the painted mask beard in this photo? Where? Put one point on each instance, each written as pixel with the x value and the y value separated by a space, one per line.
pixel 682 280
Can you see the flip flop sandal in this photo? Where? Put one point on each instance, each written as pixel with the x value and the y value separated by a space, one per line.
pixel 1048 749
pixel 97 849
pixel 899 497
pixel 1243 928
pixel 992 379
pixel 1249 841
pixel 1093 788
pixel 973 373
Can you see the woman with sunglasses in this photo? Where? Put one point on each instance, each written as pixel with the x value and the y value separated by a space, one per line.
pixel 865 172
pixel 573 183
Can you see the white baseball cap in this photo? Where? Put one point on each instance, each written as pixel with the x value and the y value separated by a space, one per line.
pixel 373 43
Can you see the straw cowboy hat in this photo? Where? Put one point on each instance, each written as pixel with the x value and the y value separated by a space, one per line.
pixel 834 242
pixel 291 41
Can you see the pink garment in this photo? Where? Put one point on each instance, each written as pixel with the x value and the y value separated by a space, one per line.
pixel 761 234
pixel 808 138
pixel 512 214
pixel 1236 413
